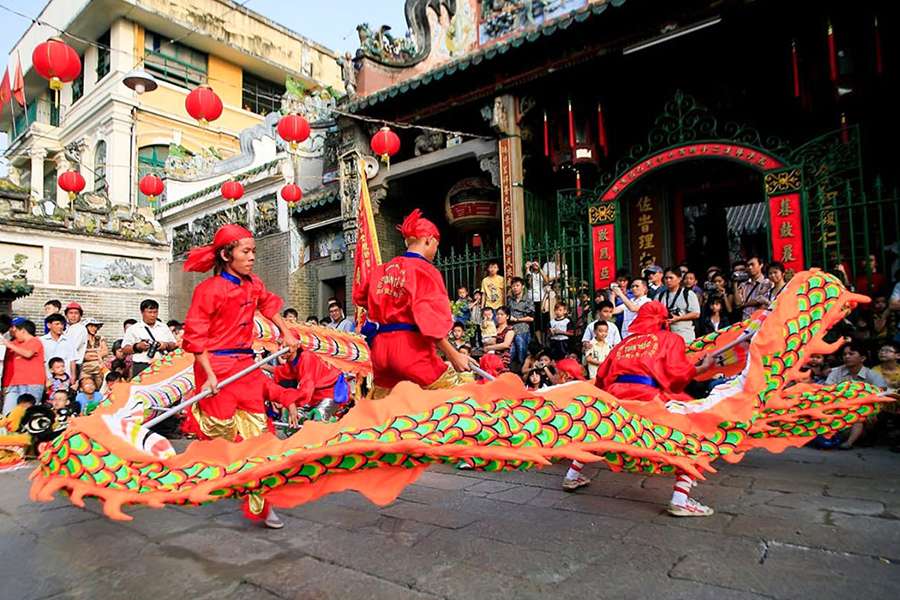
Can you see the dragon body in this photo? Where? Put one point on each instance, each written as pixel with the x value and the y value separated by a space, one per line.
pixel 379 447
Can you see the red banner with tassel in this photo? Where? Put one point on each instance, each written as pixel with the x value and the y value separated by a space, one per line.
pixel 795 69
pixel 546 135
pixel 571 129
pixel 601 131
pixel 832 55
pixel 879 66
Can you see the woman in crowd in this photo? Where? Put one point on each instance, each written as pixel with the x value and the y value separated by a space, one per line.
pixel 776 276
pixel 95 353
pixel 715 317
pixel 505 336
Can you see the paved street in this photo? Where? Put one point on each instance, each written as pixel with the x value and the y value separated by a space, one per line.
pixel 805 524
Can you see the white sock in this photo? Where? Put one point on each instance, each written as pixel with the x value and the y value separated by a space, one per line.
pixel 575 470
pixel 682 489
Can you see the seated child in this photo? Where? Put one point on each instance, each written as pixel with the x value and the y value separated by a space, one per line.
pixel 63 409
pixel 89 397
pixel 488 327
pixel 59 379
pixel 458 335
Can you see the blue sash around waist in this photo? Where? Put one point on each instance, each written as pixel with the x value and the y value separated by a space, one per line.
pixel 371 329
pixel 639 379
pixel 227 351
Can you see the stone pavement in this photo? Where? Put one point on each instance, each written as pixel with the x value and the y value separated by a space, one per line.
pixel 805 524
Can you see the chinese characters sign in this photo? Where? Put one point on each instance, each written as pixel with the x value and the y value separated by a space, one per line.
pixel 786 225
pixel 602 219
pixel 646 229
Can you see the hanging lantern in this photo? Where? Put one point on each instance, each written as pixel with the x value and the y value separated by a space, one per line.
pixel 232 190
pixel 293 129
pixel 203 104
pixel 57 62
pixel 71 181
pixel 151 186
pixel 291 193
pixel 385 143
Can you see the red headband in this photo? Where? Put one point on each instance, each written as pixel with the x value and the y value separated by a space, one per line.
pixel 202 259
pixel 414 226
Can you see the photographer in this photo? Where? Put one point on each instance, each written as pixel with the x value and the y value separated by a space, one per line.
pixel 682 304
pixel 752 293
pixel 147 338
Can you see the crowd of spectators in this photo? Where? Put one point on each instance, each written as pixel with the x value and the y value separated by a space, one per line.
pixel 531 323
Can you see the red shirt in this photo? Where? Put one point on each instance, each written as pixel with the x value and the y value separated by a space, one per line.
pixel 408 289
pixel 315 378
pixel 659 356
pixel 221 313
pixel 19 370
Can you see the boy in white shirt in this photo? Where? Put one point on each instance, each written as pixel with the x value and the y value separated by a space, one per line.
pixel 598 348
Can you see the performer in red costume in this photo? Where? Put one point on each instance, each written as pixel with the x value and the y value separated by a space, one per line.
pixel 318 384
pixel 219 331
pixel 650 365
pixel 409 315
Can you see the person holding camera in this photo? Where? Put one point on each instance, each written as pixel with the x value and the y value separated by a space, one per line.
pixel 682 304
pixel 147 338
pixel 753 293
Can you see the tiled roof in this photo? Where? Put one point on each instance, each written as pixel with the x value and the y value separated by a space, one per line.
pixel 487 53
pixel 318 197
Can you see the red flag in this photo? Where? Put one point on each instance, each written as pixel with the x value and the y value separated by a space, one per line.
pixel 368 253
pixel 832 55
pixel 879 66
pixel 795 69
pixel 5 92
pixel 601 131
pixel 18 87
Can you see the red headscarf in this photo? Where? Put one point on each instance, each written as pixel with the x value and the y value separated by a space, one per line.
pixel 414 226
pixel 651 318
pixel 202 259
pixel 571 368
pixel 491 364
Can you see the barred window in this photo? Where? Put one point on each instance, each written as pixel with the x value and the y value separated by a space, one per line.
pixel 261 96
pixel 174 62
pixel 103 56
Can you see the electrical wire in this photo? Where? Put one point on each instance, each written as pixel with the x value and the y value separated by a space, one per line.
pixel 397 124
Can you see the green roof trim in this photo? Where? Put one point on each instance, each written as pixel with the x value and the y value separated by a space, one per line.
pixel 319 197
pixel 208 190
pixel 488 53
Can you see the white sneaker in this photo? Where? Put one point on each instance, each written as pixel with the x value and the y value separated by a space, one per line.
pixel 691 508
pixel 273 521
pixel 573 483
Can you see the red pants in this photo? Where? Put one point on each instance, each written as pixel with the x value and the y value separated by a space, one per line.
pixel 405 356
pixel 637 391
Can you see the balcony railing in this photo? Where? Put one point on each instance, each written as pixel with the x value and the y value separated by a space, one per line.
pixel 39 111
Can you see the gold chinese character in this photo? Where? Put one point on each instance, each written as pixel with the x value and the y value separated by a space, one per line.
pixel 603 235
pixel 786 230
pixel 787 253
pixel 785 209
pixel 604 253
pixel 644 204
pixel 645 222
pixel 645 241
pixel 604 273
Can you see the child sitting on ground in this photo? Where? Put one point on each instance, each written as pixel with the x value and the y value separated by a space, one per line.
pixel 88 397
pixel 59 379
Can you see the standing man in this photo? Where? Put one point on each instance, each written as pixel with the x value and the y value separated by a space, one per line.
pixel 521 316
pixel 147 338
pixel 337 320
pixel 682 304
pixel 630 306
pixel 76 331
pixel 654 276
pixel 409 315
pixel 25 372
pixel 753 294
pixel 57 344
pixel 219 331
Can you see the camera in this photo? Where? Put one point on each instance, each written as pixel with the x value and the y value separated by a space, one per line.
pixel 674 312
pixel 740 276
pixel 152 350
pixel 709 287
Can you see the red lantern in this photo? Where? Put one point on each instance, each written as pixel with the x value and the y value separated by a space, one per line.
pixel 151 186
pixel 293 129
pixel 71 181
pixel 56 61
pixel 291 193
pixel 232 190
pixel 203 104
pixel 385 143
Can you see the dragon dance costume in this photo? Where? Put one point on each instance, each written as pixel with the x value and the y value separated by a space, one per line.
pixel 316 380
pixel 408 311
pixel 378 448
